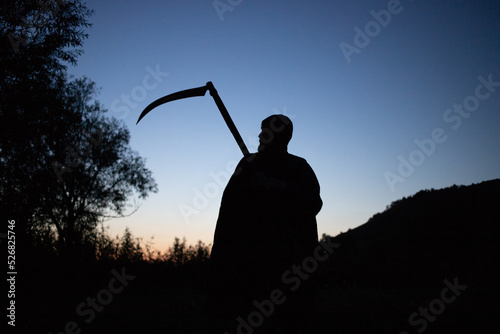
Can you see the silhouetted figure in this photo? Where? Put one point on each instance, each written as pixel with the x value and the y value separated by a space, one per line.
pixel 267 223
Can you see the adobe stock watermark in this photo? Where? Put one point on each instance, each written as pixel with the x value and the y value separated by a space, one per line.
pixel 292 278
pixel 202 197
pixel 372 29
pixel 436 307
pixel 122 106
pixel 427 147
pixel 218 180
pixel 92 305
pixel 222 6
pixel 76 155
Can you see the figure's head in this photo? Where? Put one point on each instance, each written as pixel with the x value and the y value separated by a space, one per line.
pixel 276 133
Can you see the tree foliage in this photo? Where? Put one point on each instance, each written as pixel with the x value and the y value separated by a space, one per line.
pixel 40 37
pixel 179 253
pixel 64 165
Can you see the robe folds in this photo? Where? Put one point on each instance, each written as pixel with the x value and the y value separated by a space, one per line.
pixel 266 224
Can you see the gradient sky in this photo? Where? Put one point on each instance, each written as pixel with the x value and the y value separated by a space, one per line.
pixel 359 101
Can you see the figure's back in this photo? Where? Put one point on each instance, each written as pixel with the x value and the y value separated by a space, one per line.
pixel 266 224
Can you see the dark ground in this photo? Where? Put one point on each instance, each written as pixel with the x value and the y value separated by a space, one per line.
pixel 383 272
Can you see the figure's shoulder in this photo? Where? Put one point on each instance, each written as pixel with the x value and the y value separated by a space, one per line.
pixel 298 163
pixel 248 159
pixel 296 159
pixel 301 166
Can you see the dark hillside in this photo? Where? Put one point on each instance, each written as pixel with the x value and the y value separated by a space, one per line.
pixel 404 254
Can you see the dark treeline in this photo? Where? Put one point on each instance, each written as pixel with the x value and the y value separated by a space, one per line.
pixel 126 279
pixel 66 167
pixel 126 249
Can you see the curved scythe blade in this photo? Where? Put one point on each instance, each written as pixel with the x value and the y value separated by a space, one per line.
pixel 200 91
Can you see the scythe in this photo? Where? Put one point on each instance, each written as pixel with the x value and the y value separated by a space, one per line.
pixel 201 91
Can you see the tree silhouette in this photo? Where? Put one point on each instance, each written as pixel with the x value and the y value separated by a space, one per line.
pixel 64 165
pixel 177 253
pixel 180 254
pixel 41 37
pixel 130 250
pixel 37 40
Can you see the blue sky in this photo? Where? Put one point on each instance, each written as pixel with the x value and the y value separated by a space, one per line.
pixel 417 72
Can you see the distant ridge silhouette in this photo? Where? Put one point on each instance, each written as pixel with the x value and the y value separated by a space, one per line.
pixel 417 243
